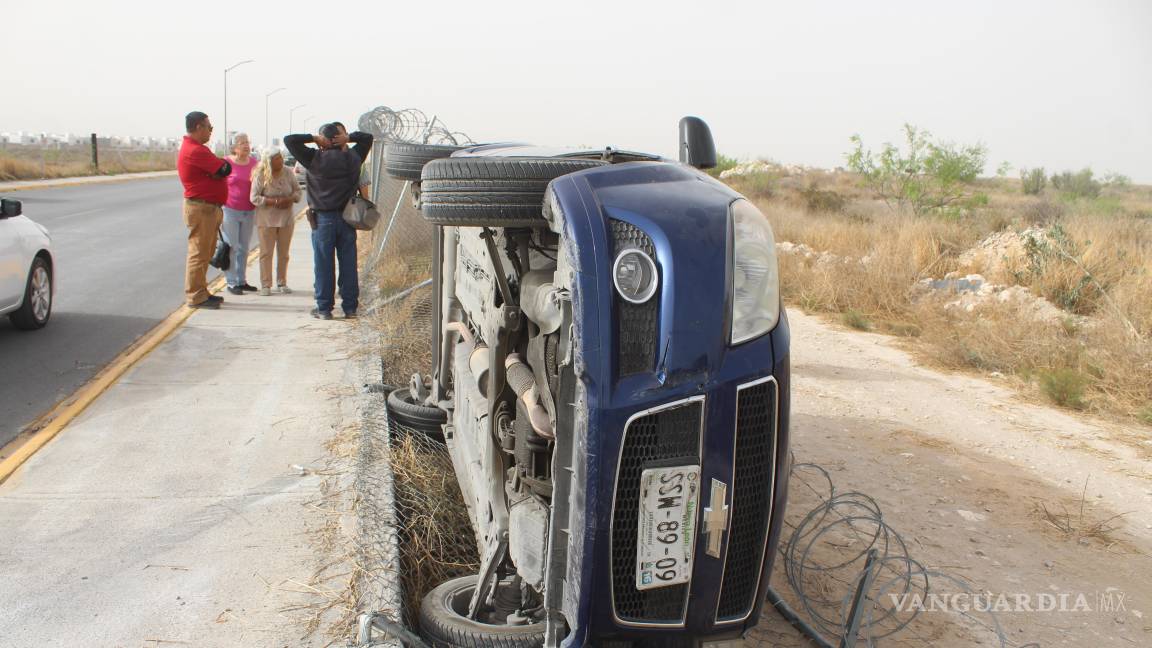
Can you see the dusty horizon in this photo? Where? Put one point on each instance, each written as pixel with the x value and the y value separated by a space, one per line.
pixel 1040 84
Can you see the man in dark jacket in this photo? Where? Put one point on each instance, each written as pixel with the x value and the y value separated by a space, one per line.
pixel 333 178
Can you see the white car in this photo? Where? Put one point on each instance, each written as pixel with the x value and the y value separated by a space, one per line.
pixel 26 268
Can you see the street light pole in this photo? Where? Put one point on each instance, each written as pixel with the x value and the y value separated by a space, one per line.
pixel 306 119
pixel 267 141
pixel 294 109
pixel 226 71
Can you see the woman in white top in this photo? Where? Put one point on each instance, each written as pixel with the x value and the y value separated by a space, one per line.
pixel 274 191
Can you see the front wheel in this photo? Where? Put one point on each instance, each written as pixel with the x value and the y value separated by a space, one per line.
pixel 37 306
pixel 444 621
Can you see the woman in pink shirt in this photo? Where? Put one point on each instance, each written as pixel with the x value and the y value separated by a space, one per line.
pixel 239 214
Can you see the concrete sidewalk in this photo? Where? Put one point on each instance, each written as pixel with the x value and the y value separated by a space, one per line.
pixel 48 183
pixel 170 512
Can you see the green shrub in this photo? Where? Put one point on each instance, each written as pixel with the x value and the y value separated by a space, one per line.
pixel 1077 185
pixel 1032 181
pixel 855 319
pixel 976 200
pixel 820 200
pixel 1065 387
pixel 926 175
pixel 723 163
pixel 1114 179
pixel 1146 415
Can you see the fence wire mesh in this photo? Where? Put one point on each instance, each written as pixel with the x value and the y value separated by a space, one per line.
pixel 401 259
pixel 435 534
pixel 429 522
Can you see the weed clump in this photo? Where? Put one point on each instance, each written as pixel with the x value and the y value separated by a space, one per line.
pixel 855 319
pixel 1064 387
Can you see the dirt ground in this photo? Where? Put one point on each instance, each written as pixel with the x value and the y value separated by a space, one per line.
pixel 1000 496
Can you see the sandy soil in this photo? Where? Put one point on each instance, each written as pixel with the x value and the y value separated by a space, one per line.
pixel 963 470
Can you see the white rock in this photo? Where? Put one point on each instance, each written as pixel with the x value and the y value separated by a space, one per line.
pixel 970 516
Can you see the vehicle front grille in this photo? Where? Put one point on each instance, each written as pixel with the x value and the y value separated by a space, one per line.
pixel 636 323
pixel 668 436
pixel 751 499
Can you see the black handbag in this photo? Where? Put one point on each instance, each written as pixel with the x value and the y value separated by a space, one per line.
pixel 222 258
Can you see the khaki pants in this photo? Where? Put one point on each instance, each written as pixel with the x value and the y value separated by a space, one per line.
pixel 278 238
pixel 203 221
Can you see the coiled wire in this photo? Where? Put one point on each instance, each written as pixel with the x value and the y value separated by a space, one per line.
pixel 409 125
pixel 823 560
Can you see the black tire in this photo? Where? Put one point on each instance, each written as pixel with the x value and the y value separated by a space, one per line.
pixel 405 161
pixel 492 191
pixel 38 296
pixel 404 410
pixel 444 624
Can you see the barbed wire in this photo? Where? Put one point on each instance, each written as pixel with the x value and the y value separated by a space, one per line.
pixel 409 125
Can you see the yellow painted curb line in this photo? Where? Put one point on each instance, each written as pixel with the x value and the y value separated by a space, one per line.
pixel 45 428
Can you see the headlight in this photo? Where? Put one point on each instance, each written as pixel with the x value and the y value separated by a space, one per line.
pixel 634 274
pixel 755 274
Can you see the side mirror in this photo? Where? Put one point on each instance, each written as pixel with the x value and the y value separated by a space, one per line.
pixel 696 146
pixel 10 208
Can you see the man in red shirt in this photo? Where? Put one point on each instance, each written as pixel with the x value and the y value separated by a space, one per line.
pixel 205 190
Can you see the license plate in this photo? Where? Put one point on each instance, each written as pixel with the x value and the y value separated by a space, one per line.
pixel 667 529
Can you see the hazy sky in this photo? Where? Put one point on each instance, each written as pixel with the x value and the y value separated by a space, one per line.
pixel 1057 84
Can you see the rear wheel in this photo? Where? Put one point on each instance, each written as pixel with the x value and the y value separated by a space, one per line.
pixel 444 621
pixel 405 161
pixel 492 191
pixel 37 306
pixel 404 410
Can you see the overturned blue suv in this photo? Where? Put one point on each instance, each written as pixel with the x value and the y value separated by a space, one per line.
pixel 611 373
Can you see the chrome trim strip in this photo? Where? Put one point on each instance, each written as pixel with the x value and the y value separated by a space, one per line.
pixel 771 499
pixel 612 520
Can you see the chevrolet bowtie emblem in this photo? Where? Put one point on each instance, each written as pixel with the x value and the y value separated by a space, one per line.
pixel 716 517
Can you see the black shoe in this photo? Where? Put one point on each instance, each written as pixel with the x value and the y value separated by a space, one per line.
pixel 215 298
pixel 248 288
pixel 350 315
pixel 319 314
pixel 236 290
pixel 207 303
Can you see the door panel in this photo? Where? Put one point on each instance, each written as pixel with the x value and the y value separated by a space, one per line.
pixel 13 265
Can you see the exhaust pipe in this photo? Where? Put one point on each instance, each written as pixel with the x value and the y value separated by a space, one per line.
pixel 478 364
pixel 523 382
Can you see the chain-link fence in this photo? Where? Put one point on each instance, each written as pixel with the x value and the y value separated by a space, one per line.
pixel 430 524
pixel 401 259
pixel 437 542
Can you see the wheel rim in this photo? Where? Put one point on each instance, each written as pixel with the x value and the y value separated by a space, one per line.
pixel 458 599
pixel 41 293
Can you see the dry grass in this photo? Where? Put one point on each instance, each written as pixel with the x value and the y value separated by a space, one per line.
pixel 28 163
pixel 330 596
pixel 1096 264
pixel 1080 524
pixel 436 538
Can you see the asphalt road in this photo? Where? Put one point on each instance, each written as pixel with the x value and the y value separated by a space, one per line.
pixel 120 251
